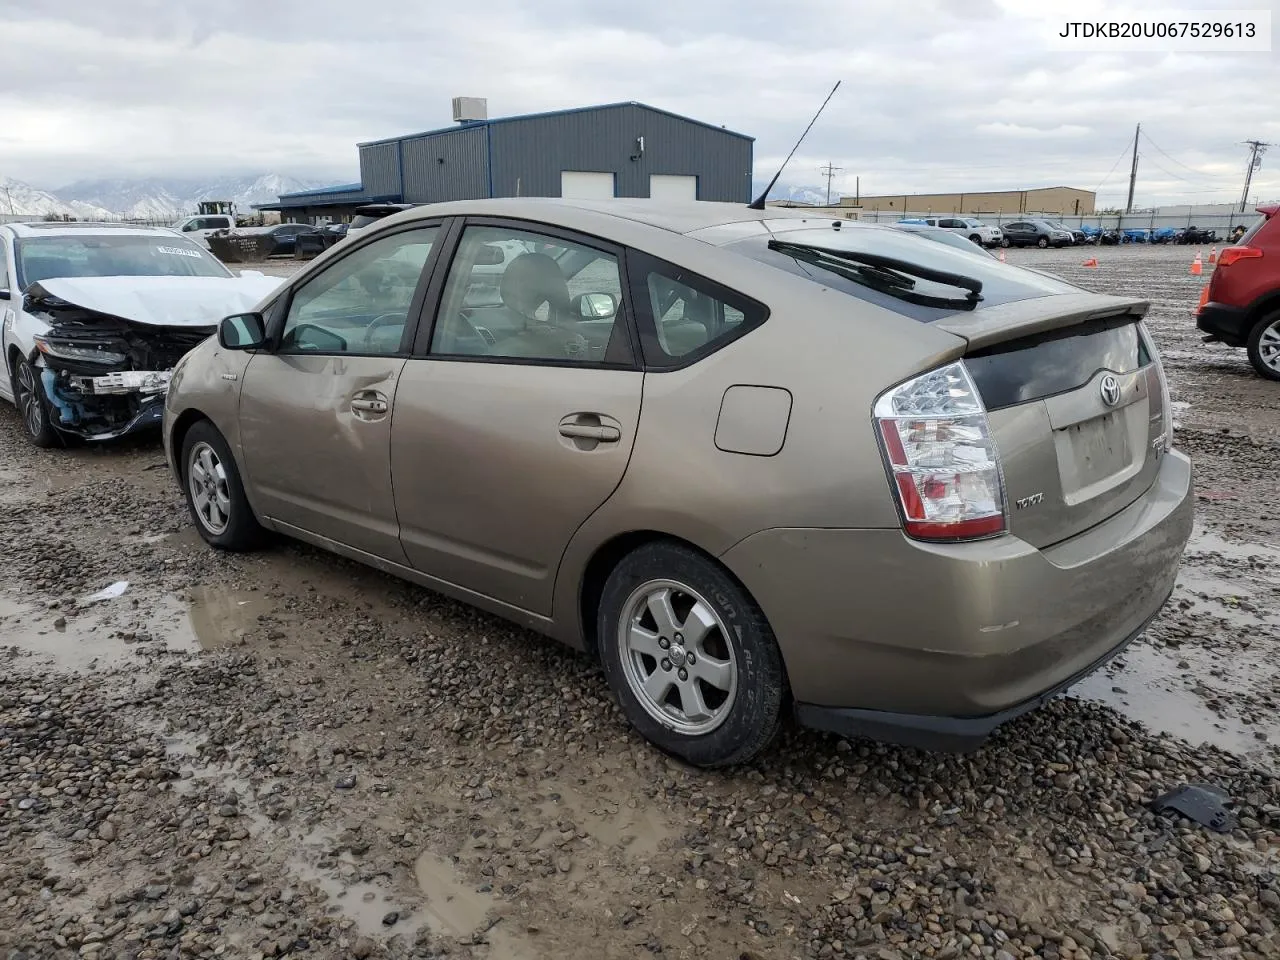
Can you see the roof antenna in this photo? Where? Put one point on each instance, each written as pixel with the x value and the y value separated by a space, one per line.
pixel 758 203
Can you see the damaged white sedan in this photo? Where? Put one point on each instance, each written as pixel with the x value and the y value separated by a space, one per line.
pixel 97 315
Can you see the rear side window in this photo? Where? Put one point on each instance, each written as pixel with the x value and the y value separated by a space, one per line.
pixel 684 316
pixel 1253 229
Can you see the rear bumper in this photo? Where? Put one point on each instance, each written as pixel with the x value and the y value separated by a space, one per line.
pixel 884 634
pixel 952 734
pixel 1226 323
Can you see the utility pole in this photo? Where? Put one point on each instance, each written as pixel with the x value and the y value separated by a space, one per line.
pixel 829 171
pixel 1133 171
pixel 1256 149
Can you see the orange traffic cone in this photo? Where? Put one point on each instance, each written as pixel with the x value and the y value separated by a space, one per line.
pixel 1091 262
pixel 1213 254
pixel 1002 260
pixel 1197 266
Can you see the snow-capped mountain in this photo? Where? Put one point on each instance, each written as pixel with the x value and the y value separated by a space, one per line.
pixel 156 198
pixel 815 196
pixel 23 199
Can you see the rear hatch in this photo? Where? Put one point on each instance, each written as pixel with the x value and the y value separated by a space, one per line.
pixel 1074 395
pixel 1076 405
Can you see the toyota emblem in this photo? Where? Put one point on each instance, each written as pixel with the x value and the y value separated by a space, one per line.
pixel 1110 389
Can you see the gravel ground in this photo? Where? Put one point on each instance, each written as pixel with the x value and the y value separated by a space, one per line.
pixel 285 754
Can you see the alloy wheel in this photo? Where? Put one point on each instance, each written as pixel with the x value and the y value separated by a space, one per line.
pixel 207 481
pixel 1269 346
pixel 677 657
pixel 29 400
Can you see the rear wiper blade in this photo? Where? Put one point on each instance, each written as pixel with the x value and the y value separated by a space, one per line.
pixel 889 273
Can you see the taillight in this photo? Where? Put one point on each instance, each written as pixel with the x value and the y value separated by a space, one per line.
pixel 1230 255
pixel 1204 298
pixel 942 457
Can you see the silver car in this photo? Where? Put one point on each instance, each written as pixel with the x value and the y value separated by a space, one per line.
pixel 756 462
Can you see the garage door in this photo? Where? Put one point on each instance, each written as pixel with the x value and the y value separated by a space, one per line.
pixel 581 185
pixel 666 187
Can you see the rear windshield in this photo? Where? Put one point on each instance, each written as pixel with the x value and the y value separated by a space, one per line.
pixel 96 255
pixel 1253 229
pixel 1040 366
pixel 1001 282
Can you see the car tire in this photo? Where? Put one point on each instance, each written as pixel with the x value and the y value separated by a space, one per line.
pixel 1042 242
pixel 974 238
pixel 33 405
pixel 1264 346
pixel 726 671
pixel 214 492
pixel 1004 241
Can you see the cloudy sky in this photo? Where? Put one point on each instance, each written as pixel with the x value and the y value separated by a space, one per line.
pixel 936 94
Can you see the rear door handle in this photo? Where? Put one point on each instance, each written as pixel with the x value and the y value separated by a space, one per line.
pixel 584 431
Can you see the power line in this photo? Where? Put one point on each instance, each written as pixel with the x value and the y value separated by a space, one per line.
pixel 829 171
pixel 1174 159
pixel 1122 155
pixel 1176 176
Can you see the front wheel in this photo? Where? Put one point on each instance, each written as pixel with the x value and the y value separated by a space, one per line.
pixel 690 657
pixel 974 238
pixel 28 394
pixel 1264 346
pixel 1042 242
pixel 214 492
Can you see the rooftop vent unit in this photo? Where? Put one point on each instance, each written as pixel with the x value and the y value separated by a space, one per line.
pixel 470 109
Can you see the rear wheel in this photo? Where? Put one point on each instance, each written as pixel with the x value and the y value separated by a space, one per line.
pixel 214 492
pixel 28 394
pixel 1264 346
pixel 1004 241
pixel 690 656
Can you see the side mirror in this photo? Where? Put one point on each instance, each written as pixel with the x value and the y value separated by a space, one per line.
pixel 242 331
pixel 595 306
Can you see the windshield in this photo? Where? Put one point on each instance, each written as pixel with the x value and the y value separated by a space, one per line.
pixel 1001 282
pixel 96 255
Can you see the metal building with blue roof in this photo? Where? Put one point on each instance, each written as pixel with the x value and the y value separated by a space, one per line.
pixel 613 150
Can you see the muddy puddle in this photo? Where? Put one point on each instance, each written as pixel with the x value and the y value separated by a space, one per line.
pixel 112 627
pixel 108 634
pixel 458 909
pixel 1213 677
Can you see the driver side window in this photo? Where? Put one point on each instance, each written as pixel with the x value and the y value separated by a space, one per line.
pixel 360 304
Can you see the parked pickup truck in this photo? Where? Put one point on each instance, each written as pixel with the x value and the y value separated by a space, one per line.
pixel 203 225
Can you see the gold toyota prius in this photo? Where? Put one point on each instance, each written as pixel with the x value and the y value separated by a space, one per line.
pixel 756 461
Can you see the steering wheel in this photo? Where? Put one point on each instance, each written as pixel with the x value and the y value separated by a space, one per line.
pixel 377 323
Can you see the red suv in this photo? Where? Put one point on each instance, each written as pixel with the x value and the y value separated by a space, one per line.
pixel 1240 305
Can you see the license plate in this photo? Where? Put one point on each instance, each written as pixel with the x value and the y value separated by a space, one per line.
pixel 1099 447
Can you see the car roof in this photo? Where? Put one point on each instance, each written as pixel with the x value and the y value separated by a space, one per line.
pixel 44 228
pixel 683 217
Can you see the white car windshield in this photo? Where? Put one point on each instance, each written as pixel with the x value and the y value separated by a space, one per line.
pixel 96 255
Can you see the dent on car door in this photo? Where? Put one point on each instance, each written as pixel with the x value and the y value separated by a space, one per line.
pixel 315 411
pixel 517 421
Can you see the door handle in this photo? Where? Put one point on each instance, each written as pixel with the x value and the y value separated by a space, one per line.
pixel 369 405
pixel 585 431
